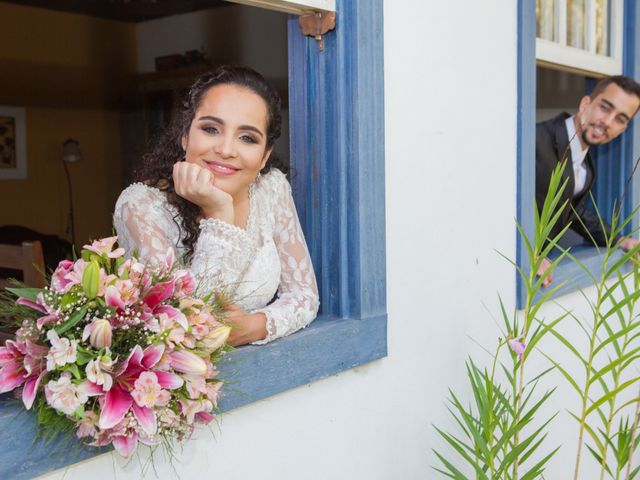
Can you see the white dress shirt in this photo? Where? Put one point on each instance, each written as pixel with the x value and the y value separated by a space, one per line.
pixel 578 156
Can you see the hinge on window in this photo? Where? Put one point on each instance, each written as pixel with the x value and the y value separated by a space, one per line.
pixel 317 24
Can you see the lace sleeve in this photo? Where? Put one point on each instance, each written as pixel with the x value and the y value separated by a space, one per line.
pixel 145 223
pixel 297 303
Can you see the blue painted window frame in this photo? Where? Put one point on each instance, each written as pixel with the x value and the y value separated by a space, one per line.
pixel 614 161
pixel 336 99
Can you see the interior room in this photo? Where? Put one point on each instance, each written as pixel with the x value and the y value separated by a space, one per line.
pixel 89 85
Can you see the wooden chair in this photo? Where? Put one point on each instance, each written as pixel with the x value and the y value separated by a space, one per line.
pixel 27 258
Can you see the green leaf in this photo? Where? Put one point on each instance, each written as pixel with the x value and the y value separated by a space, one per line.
pixel 470 460
pixel 590 431
pixel 73 320
pixel 73 368
pixel 536 471
pixel 28 293
pixel 633 354
pixel 455 473
pixel 566 375
pixel 598 458
pixel 82 358
pixel 610 394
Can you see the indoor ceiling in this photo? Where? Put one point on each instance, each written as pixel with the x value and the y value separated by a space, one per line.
pixel 124 10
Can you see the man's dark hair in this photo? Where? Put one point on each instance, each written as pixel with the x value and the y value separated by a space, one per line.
pixel 627 84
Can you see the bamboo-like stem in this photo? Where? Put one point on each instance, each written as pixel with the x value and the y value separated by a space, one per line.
pixel 491 436
pixel 592 341
pixel 605 449
pixel 520 377
pixel 634 430
pixel 617 375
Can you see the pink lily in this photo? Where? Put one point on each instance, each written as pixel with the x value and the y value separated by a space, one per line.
pixel 52 316
pixel 125 445
pixel 87 425
pixel 190 408
pixel 22 363
pixel 158 293
pixel 188 362
pixel 105 245
pixel 172 313
pixel 65 396
pixel 122 294
pixel 125 438
pixel 136 272
pixel 99 333
pixel 37 305
pixel 59 280
pixel 118 400
pixel 204 417
pixel 185 283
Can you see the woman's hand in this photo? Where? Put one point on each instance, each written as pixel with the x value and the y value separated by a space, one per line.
pixel 197 184
pixel 245 327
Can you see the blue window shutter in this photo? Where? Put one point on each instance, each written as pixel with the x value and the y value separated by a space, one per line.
pixel 338 158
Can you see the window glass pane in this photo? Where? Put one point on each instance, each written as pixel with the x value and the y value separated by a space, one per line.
pixel 576 23
pixel 602 27
pixel 545 20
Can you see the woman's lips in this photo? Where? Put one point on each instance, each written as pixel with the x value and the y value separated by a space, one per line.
pixel 221 168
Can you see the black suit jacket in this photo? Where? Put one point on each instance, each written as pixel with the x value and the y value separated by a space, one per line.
pixel 552 145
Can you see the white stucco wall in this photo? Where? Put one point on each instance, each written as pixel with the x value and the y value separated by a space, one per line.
pixel 450 88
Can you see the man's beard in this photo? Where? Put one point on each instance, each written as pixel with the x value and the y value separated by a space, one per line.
pixel 591 143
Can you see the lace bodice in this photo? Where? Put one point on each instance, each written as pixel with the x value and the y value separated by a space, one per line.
pixel 270 256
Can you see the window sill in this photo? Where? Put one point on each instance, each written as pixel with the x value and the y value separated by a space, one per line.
pixel 328 346
pixel 573 276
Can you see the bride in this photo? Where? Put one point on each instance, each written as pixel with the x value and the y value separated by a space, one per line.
pixel 207 190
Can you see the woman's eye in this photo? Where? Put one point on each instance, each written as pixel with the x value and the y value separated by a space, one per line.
pixel 248 139
pixel 210 129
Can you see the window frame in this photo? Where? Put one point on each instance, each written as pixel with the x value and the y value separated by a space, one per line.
pixel 295 7
pixel 337 148
pixel 561 55
pixel 626 147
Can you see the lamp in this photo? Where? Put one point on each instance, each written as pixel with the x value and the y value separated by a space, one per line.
pixel 71 153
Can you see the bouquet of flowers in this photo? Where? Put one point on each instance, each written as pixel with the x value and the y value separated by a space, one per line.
pixel 118 351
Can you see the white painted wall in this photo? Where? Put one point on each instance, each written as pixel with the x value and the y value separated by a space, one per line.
pixel 450 96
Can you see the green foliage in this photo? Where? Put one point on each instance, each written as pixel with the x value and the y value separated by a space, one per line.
pixel 500 436
pixel 499 433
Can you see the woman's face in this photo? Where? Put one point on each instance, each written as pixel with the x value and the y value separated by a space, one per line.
pixel 228 136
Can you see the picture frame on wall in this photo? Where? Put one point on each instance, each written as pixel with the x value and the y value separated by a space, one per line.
pixel 13 143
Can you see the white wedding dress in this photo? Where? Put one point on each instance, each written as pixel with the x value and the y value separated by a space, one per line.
pixel 251 264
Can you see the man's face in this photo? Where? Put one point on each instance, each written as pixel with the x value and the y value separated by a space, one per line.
pixel 603 118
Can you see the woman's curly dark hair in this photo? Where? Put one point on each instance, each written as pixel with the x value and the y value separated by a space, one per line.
pixel 157 163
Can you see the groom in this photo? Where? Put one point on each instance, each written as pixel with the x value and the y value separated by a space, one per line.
pixel 601 117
